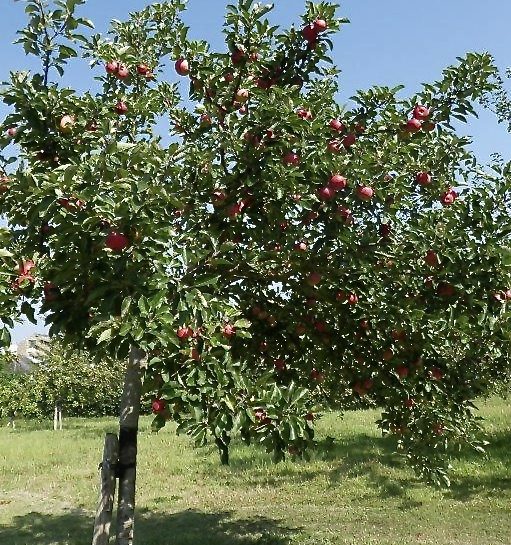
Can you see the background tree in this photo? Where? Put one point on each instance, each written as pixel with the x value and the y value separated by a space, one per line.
pixel 279 254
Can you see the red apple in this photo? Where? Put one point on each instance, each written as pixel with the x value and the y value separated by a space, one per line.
pixel 300 329
pixel 310 33
pixel 409 403
pixel 402 371
pixel 280 364
pixel 122 71
pixel 445 289
pixel 349 140
pixel 413 125
pixel 337 182
pixel 320 327
pixel 336 125
pixel 228 331
pixel 341 296
pixel 301 246
pixel 309 417
pixel 423 178
pixel 437 373
pixel 326 193
pixel 66 123
pixel 431 258
pixel 158 406
pixel 352 299
pixel 317 375
pixel 11 132
pixel 291 159
pixel 344 214
pixel 388 354
pixel 121 108
pixel 4 184
pixel 385 230
pixel 320 25
pixel 448 197
pixel 238 56
pixel 111 67
pixel 334 146
pixel 368 384
pixel 365 193
pixel 398 335
pixel 420 112
pixel 182 67
pixel 229 77
pixel 304 114
pixel 184 332
pixel 143 69
pixel 116 241
pixel 314 278
pixel 51 292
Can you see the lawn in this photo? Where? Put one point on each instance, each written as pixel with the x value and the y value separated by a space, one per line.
pixel 357 493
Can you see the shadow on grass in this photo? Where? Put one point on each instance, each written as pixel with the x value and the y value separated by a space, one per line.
pixel 374 458
pixel 185 528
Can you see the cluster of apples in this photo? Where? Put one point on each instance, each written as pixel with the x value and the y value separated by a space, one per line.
pixel 419 120
pixel 122 72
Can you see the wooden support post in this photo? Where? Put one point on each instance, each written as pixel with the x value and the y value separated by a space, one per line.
pixel 108 466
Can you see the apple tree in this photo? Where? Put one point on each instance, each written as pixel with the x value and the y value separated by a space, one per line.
pixel 276 254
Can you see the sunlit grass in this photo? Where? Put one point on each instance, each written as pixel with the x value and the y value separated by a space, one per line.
pixel 357 492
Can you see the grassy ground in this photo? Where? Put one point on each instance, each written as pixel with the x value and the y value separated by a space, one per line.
pixel 357 494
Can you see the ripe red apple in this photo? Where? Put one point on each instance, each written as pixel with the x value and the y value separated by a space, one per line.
pixel 438 429
pixel 314 278
pixel 229 77
pixel 301 246
pixel 437 373
pixel 280 364
pixel 320 25
pixel 310 33
pixel 413 125
pixel 349 140
pixel 341 296
pixel 122 71
pixel 4 184
pixel 385 230
pixel 309 417
pixel 184 332
pixel 238 56
pixel 326 193
pixel 143 69
pixel 218 197
pixel 11 132
pixel 334 146
pixel 402 371
pixel 121 108
pixel 420 112
pixel 388 354
pixel 263 346
pixel 423 178
pixel 302 113
pixel 352 299
pixel 337 182
pixel 445 289
pixel 448 197
pixel 182 67
pixel 158 406
pixel 228 331
pixel 320 327
pixel 291 159
pixel 398 335
pixel 51 292
pixel 242 95
pixel 116 241
pixel 205 120
pixel 409 403
pixel 431 258
pixel 365 193
pixel 300 329
pixel 344 214
pixel 317 375
pixel 111 67
pixel 336 125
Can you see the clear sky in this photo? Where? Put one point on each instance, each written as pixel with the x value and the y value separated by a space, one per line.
pixel 388 42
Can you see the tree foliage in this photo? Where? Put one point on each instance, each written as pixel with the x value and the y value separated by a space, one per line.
pixel 262 289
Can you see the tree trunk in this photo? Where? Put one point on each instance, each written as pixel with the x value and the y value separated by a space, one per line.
pixel 127 466
pixel 56 418
pixel 223 448
pixel 106 502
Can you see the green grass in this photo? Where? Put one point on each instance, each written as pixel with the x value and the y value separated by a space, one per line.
pixel 357 493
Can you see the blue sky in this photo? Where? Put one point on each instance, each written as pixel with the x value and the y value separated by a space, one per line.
pixel 388 42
